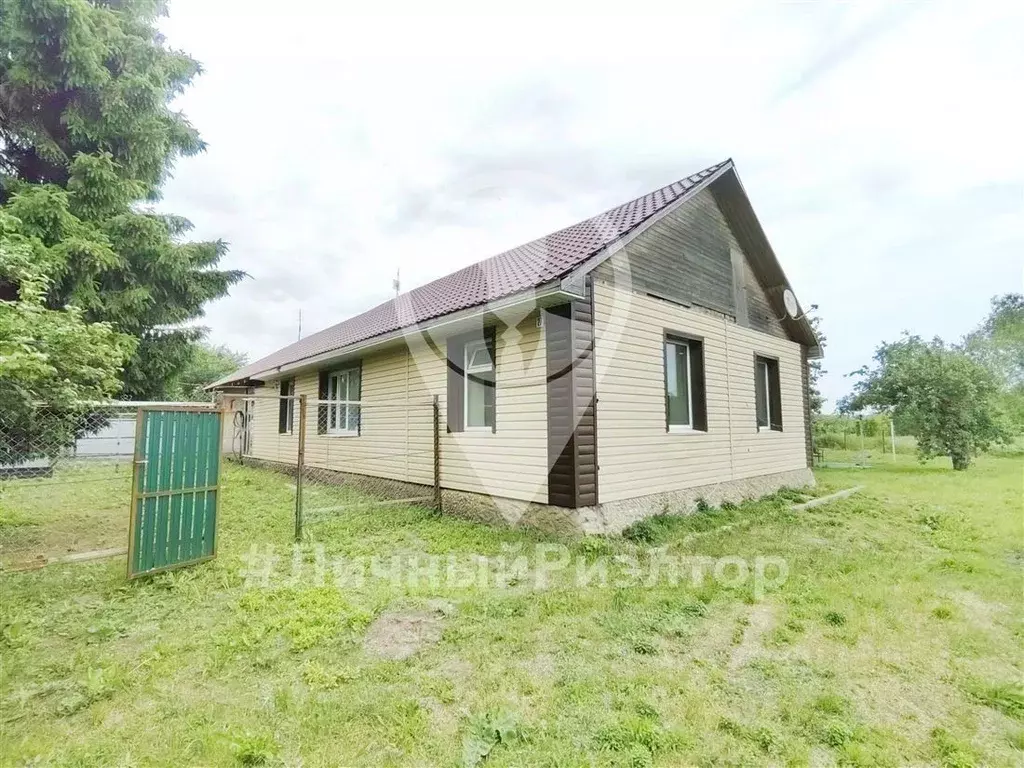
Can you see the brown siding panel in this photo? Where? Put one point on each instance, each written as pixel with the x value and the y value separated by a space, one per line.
pixel 456 352
pixel 584 411
pixel 561 465
pixel 572 429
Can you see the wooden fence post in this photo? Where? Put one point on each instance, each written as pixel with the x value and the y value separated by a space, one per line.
pixel 300 467
pixel 437 455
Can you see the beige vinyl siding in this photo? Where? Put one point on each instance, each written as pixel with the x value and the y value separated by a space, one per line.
pixel 396 439
pixel 636 454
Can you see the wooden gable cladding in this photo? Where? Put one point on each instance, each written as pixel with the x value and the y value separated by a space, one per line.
pixel 571 402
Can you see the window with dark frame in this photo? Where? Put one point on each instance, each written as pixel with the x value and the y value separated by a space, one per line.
pixel 685 390
pixel 767 394
pixel 286 407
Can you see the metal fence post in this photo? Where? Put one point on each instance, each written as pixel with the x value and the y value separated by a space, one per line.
pixel 300 467
pixel 437 455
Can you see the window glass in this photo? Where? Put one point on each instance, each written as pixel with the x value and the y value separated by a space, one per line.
pixel 479 360
pixel 479 393
pixel 343 390
pixel 286 415
pixel 677 384
pixel 761 393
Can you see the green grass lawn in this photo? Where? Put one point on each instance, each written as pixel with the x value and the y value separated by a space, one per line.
pixel 81 508
pixel 896 639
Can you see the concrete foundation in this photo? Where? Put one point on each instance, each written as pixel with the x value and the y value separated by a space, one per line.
pixel 615 516
pixel 609 518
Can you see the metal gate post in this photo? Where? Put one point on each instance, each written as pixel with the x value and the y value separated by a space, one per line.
pixel 437 455
pixel 300 467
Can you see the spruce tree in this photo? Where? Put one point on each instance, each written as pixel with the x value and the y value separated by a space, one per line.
pixel 87 137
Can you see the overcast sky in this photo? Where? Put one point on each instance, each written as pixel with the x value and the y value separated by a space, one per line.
pixel 882 146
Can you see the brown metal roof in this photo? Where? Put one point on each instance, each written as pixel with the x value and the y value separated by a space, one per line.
pixel 527 266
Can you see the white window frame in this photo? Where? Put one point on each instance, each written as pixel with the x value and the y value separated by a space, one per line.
pixel 336 405
pixel 685 428
pixel 762 362
pixel 469 352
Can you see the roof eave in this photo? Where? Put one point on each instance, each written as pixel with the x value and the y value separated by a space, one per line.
pixel 546 294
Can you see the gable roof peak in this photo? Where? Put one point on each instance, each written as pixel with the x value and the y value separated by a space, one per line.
pixel 510 272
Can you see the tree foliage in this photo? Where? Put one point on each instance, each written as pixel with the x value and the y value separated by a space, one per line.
pixel 945 398
pixel 816 370
pixel 91 78
pixel 87 136
pixel 998 344
pixel 50 356
pixel 206 364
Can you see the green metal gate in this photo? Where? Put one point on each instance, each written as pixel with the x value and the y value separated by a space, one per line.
pixel 175 488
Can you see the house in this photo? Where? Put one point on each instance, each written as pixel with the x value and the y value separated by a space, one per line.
pixel 639 360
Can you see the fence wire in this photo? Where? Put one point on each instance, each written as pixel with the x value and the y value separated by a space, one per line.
pixel 66 479
pixel 66 475
pixel 841 439
pixel 344 456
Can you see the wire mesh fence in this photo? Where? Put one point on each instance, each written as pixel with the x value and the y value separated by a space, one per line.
pixel 343 456
pixel 66 479
pixel 838 439
pixel 66 474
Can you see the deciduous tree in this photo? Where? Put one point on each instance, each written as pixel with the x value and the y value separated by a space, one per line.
pixel 206 364
pixel 51 360
pixel 946 399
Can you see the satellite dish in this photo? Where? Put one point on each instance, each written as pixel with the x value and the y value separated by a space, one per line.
pixel 789 300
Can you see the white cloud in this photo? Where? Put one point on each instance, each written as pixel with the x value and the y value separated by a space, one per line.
pixel 881 149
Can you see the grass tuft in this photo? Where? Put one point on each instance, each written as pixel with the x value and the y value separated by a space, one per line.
pixel 1007 698
pixel 834 618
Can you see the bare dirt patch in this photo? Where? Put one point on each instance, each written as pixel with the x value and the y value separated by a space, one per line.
pixel 540 669
pixel 980 612
pixel 399 634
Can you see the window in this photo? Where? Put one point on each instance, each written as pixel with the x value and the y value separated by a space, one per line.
pixel 286 407
pixel 685 401
pixel 479 400
pixel 767 395
pixel 340 409
pixel 471 381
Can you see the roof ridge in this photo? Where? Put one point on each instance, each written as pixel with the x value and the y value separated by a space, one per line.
pixel 513 270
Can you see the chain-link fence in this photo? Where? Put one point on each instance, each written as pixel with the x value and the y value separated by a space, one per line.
pixel 343 457
pixel 66 480
pixel 846 439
